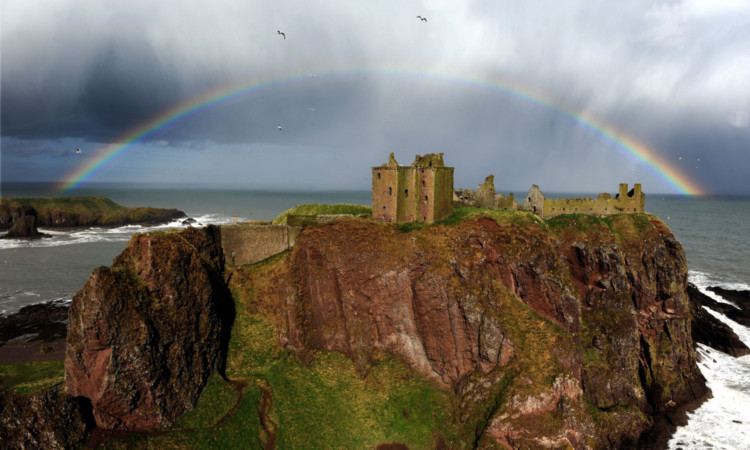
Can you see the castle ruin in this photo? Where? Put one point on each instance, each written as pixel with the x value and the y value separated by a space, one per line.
pixel 604 205
pixel 422 192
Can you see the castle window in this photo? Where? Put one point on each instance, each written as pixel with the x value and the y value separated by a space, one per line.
pixel 390 190
pixel 406 192
pixel 425 198
pixel 423 183
pixel 378 175
pixel 383 208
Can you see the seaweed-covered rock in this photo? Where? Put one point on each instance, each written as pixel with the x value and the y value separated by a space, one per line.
pixel 145 333
pixel 45 419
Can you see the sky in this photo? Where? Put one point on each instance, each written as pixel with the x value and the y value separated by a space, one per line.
pixel 553 93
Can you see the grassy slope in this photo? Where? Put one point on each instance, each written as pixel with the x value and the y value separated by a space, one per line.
pixel 32 376
pixel 317 209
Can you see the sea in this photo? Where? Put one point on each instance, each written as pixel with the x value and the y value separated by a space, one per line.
pixel 713 230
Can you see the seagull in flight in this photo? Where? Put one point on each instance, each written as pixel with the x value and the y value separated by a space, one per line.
pixel 423 19
pixel 78 150
pixel 279 127
pixel 281 33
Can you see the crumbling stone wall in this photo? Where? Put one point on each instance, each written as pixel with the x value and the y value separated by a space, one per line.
pixel 486 193
pixel 422 192
pixel 625 201
pixel 248 244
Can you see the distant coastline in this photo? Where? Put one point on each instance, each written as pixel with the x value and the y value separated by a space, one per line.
pixel 70 212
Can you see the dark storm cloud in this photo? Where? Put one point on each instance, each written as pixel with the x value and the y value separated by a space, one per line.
pixel 676 76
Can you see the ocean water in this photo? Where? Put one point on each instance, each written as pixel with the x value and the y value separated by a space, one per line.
pixel 714 232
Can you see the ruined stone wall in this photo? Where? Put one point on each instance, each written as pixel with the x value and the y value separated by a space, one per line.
pixel 604 205
pixel 384 197
pixel 426 205
pixel 486 193
pixel 443 193
pixel 248 244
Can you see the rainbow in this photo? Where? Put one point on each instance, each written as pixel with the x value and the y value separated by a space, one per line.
pixel 229 94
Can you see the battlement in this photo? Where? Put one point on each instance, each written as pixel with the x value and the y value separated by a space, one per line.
pixel 422 192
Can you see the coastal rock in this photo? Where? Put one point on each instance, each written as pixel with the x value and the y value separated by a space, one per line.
pixel 574 332
pixel 80 212
pixel 740 311
pixel 45 419
pixel 711 331
pixel 43 322
pixel 145 333
pixel 24 224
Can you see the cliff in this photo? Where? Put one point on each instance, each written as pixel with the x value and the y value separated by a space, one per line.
pixel 512 331
pixel 575 331
pixel 145 334
pixel 79 211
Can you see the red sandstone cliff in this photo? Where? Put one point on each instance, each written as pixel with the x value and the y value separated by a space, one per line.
pixel 570 332
pixel 145 333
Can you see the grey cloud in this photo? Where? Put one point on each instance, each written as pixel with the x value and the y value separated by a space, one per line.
pixel 676 76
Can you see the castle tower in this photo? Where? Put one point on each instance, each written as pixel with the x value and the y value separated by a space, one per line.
pixel 422 192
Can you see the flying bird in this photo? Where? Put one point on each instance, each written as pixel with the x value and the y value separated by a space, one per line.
pixel 423 19
pixel 78 150
pixel 279 127
pixel 281 33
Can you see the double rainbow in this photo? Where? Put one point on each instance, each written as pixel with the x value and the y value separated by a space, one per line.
pixel 224 95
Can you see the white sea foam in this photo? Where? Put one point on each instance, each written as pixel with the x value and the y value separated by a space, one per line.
pixel 723 421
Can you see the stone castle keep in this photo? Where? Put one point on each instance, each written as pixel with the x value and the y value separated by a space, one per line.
pixel 422 192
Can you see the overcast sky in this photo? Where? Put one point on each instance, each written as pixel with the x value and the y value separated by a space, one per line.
pixel 373 79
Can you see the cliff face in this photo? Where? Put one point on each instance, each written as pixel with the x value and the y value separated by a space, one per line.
pixel 574 331
pixel 145 333
pixel 570 332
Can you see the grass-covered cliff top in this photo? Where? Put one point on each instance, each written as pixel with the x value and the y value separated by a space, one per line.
pixel 316 209
pixel 81 211
pixel 67 204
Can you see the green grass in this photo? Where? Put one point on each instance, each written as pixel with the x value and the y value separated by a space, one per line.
pixel 326 404
pixel 32 376
pixel 315 209
pixel 67 204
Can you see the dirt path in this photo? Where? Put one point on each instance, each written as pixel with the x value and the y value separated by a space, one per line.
pixel 268 425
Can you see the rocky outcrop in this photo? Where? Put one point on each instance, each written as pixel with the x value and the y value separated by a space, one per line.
pixel 43 322
pixel 145 333
pixel 24 224
pixel 45 419
pixel 739 310
pixel 574 331
pixel 79 212
pixel 711 331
